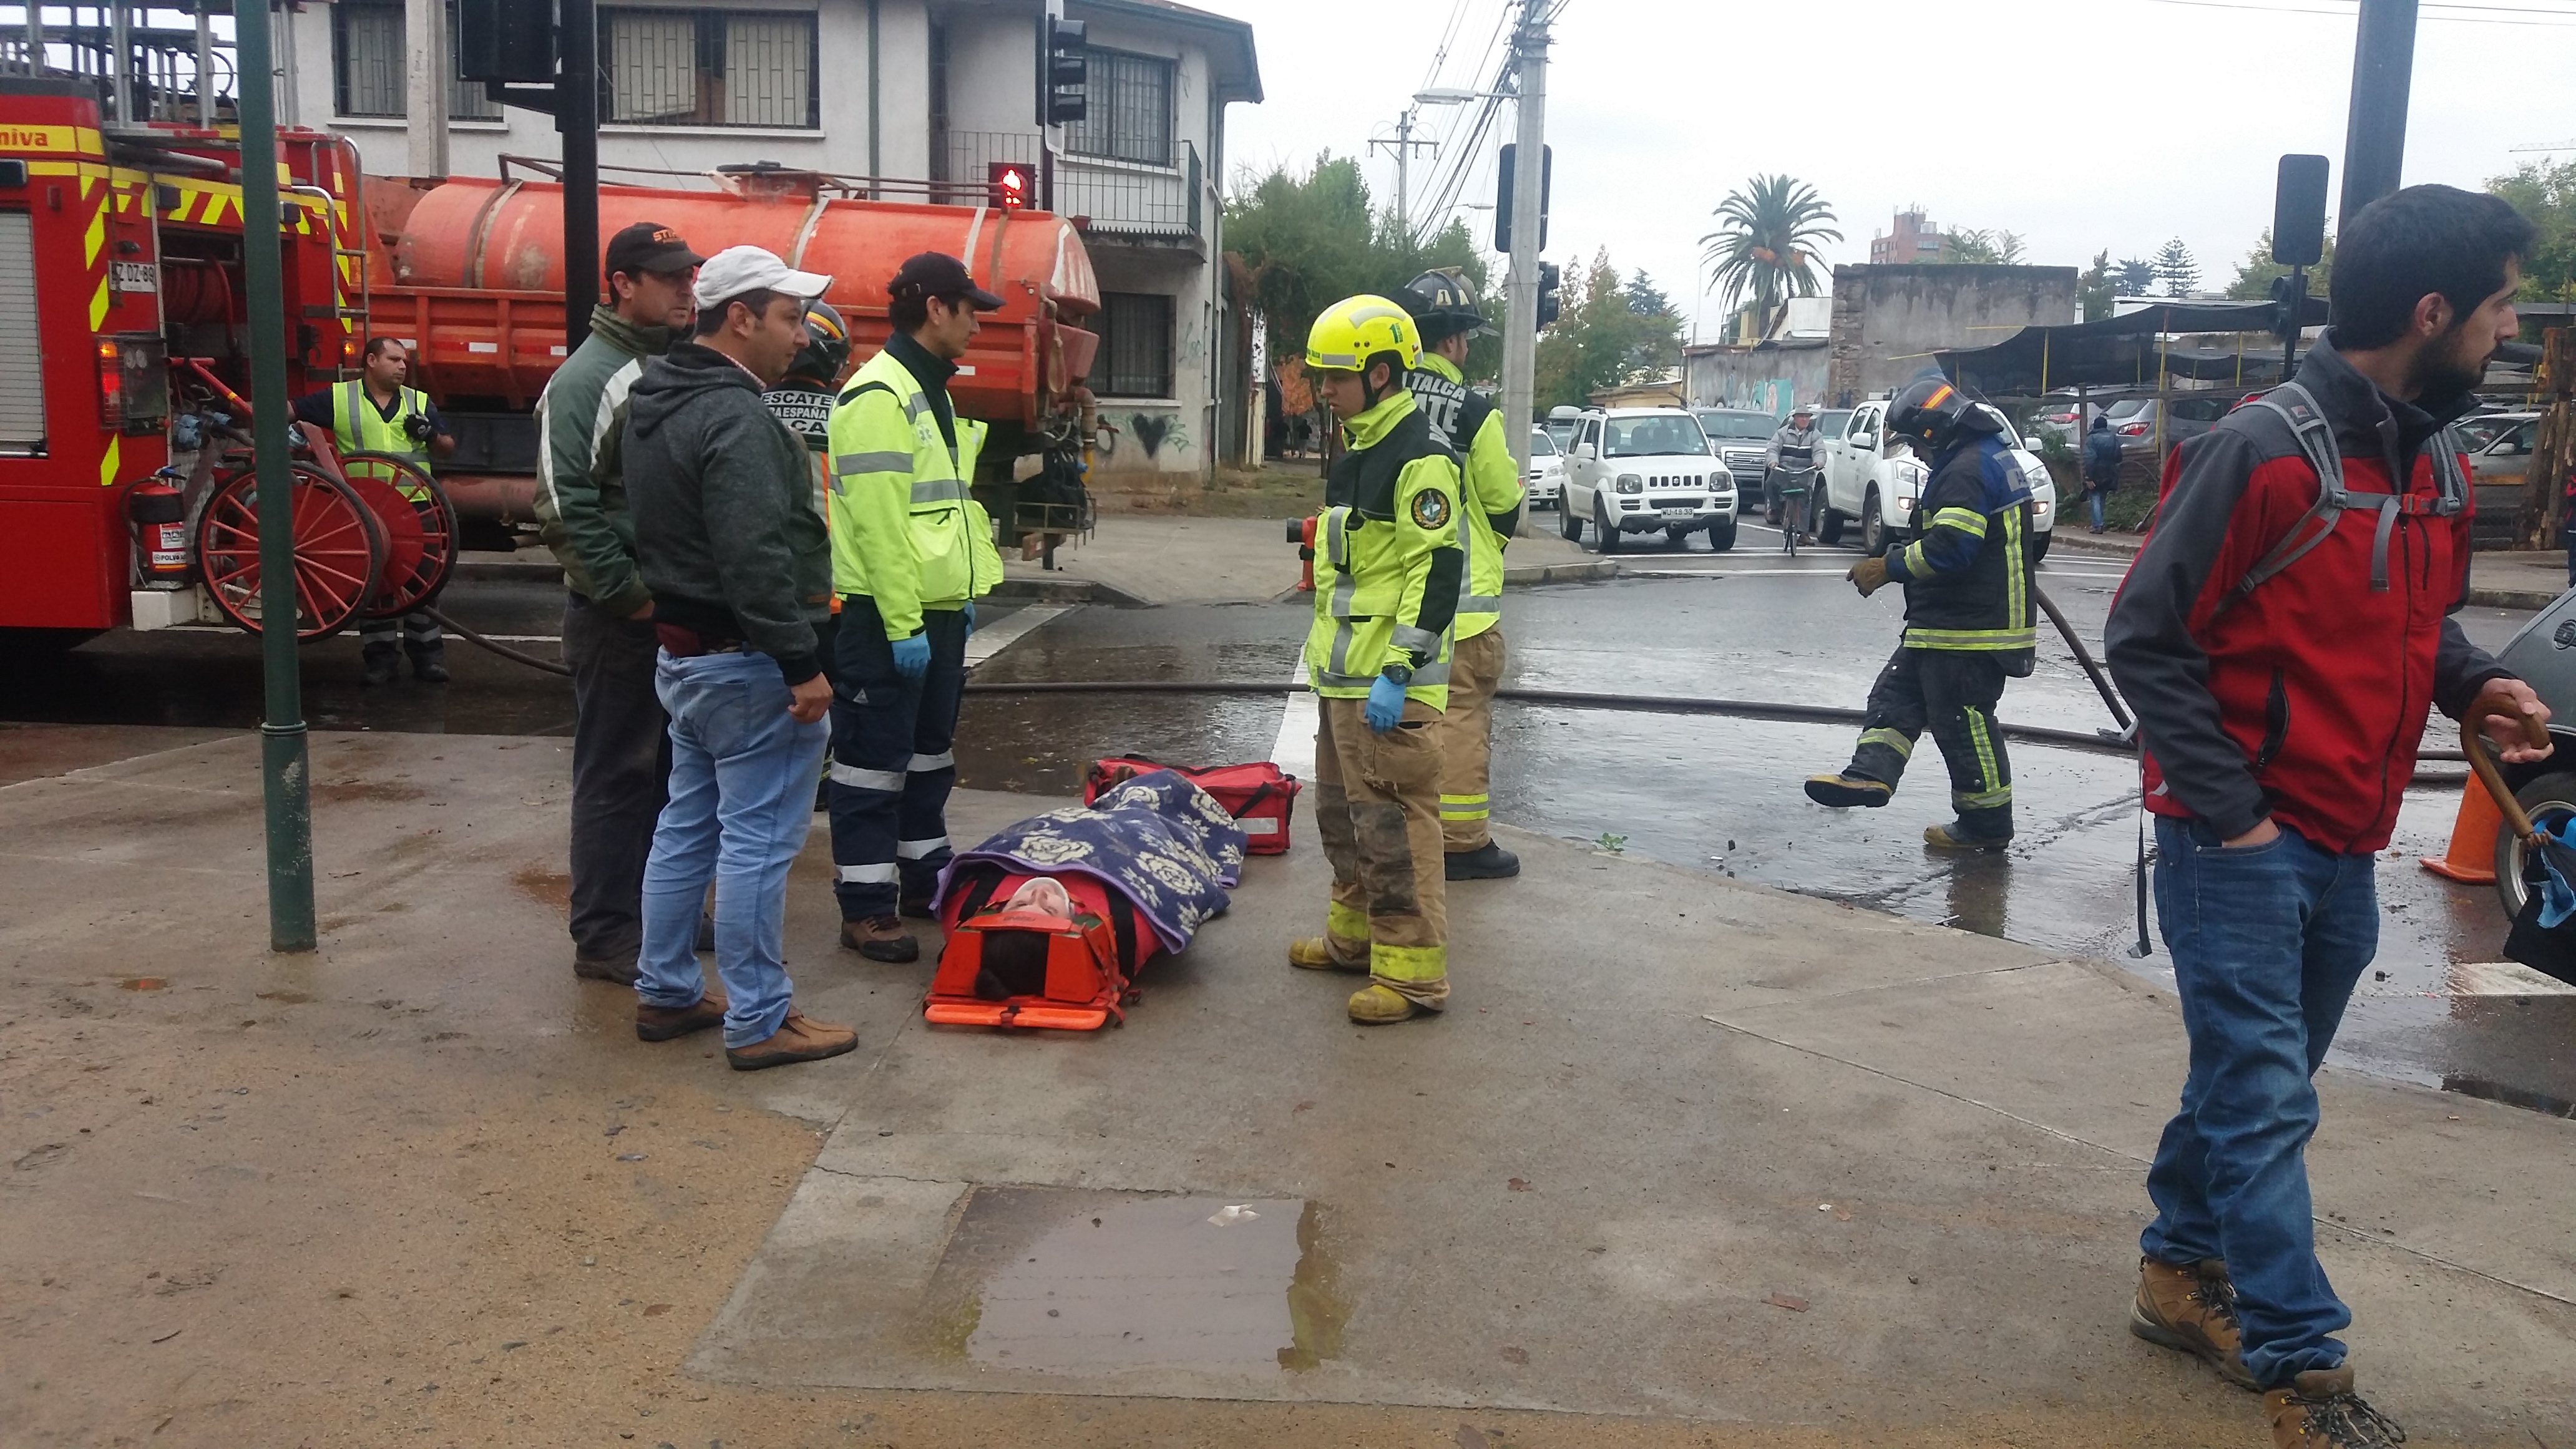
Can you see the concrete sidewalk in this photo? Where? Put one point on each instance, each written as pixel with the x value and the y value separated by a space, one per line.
pixel 1687 1163
pixel 2497 580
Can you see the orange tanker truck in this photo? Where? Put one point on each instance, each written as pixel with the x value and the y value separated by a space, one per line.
pixel 126 492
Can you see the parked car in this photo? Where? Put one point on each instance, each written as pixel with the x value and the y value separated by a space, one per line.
pixel 1644 470
pixel 1543 484
pixel 2135 418
pixel 2484 428
pixel 2499 476
pixel 2059 414
pixel 1877 486
pixel 1739 437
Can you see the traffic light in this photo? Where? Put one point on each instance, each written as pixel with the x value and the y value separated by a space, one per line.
pixel 1062 74
pixel 506 41
pixel 2289 305
pixel 2299 211
pixel 1503 196
pixel 1549 278
pixel 1008 183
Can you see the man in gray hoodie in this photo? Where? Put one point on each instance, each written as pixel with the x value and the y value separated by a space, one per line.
pixel 619 754
pixel 728 542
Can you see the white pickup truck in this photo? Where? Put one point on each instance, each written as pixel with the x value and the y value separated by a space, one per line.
pixel 1868 482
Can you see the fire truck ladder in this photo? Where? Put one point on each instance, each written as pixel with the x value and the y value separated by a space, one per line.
pixel 353 319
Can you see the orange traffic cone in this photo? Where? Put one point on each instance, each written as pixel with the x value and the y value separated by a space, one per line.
pixel 2471 859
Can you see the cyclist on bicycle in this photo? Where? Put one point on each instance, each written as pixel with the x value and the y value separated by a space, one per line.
pixel 1792 452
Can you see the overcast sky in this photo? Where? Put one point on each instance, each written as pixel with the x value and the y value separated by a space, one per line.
pixel 2081 124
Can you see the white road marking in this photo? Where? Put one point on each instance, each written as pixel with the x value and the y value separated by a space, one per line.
pixel 524 638
pixel 985 643
pixel 1294 751
pixel 2484 978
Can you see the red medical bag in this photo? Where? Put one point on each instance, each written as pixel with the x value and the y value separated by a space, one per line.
pixel 1028 968
pixel 1258 796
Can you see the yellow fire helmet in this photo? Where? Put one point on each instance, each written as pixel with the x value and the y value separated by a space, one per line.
pixel 1356 329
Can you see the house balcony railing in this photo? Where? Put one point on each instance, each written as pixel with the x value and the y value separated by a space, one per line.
pixel 1119 198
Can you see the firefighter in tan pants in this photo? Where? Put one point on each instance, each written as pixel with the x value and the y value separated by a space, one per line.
pixel 1445 313
pixel 1388 578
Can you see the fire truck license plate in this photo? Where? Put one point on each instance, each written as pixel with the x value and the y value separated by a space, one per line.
pixel 134 277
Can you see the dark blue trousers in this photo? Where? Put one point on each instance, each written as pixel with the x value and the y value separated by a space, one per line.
pixel 892 765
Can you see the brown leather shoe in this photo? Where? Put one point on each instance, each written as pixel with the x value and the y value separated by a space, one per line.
pixel 2319 1410
pixel 2192 1309
pixel 668 1023
pixel 880 938
pixel 798 1039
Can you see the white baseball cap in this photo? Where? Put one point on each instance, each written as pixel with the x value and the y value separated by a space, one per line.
pixel 736 270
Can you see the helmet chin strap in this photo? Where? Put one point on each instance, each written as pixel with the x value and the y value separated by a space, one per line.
pixel 1393 382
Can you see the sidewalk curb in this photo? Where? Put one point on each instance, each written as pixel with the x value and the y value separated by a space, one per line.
pixel 2511 599
pixel 1567 573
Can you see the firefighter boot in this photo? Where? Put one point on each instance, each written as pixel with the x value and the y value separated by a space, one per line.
pixel 1844 788
pixel 1317 953
pixel 2319 1410
pixel 2192 1309
pixel 379 663
pixel 1487 862
pixel 1870 779
pixel 429 666
pixel 1378 1004
pixel 1988 829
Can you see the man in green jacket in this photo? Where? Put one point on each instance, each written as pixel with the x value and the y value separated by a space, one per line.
pixel 911 551
pixel 620 755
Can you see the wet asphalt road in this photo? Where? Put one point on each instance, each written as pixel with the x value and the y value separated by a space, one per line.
pixel 1711 793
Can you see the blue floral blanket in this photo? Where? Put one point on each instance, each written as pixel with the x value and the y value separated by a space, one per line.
pixel 1158 840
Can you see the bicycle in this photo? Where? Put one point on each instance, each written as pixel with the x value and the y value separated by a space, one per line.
pixel 1795 488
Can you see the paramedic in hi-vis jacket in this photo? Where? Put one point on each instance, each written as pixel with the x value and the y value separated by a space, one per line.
pixel 1388 571
pixel 911 552
pixel 1445 313
pixel 1968 621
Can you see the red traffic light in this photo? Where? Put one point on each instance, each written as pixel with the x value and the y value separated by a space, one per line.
pixel 1008 182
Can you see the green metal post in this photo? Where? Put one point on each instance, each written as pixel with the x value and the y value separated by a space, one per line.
pixel 285 764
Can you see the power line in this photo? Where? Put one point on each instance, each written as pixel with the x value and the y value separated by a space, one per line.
pixel 2565 24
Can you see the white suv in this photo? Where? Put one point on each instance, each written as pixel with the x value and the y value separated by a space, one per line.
pixel 1876 485
pixel 1646 470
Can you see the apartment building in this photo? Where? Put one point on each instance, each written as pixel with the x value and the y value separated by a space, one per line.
pixel 902 90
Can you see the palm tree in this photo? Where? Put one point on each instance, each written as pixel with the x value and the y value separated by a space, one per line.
pixel 1765 251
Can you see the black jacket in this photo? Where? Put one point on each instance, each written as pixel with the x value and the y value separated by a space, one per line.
pixel 1967 572
pixel 725 530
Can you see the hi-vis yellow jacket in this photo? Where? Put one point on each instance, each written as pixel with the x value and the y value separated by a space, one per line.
pixel 1490 484
pixel 359 428
pixel 1388 563
pixel 905 532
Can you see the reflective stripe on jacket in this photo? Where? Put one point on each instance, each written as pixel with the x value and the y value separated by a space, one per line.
pixel 904 530
pixel 359 428
pixel 1389 560
pixel 1489 481
pixel 1967 572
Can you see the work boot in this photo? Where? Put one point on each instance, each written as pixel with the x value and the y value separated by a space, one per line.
pixel 2192 1309
pixel 620 969
pixel 379 666
pixel 1843 789
pixel 1315 953
pixel 668 1023
pixel 1960 835
pixel 916 908
pixel 1377 1004
pixel 2319 1410
pixel 430 668
pixel 880 938
pixel 799 1038
pixel 1486 862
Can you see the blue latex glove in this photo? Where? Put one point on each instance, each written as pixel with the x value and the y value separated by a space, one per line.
pixel 2557 900
pixel 1385 704
pixel 966 611
pixel 912 656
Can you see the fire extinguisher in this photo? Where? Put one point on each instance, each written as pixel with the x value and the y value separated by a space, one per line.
pixel 159 514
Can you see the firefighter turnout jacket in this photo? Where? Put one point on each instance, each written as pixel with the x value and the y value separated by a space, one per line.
pixel 1967 572
pixel 1472 427
pixel 1391 557
pixel 905 531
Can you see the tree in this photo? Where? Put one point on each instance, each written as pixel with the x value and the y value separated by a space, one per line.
pixel 2175 267
pixel 2546 193
pixel 1764 251
pixel 1610 332
pixel 2137 278
pixel 2095 289
pixel 2255 274
pixel 1973 247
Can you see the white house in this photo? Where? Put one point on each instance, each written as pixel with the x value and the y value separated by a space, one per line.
pixel 907 91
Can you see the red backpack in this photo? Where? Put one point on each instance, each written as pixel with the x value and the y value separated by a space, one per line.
pixel 1258 796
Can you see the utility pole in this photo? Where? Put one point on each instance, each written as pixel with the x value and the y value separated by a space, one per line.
pixel 425 88
pixel 286 767
pixel 1403 145
pixel 1520 290
pixel 2383 73
pixel 577 117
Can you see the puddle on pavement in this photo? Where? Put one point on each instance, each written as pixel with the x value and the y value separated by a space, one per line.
pixel 1061 1281
pixel 544 885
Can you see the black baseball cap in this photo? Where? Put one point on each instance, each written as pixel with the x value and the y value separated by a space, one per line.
pixel 937 274
pixel 648 246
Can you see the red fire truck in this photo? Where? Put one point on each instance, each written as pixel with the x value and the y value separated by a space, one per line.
pixel 126 494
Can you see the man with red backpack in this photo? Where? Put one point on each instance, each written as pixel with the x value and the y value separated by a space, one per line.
pixel 2281 636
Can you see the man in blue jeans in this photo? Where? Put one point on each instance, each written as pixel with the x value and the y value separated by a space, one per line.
pixel 727 540
pixel 2280 636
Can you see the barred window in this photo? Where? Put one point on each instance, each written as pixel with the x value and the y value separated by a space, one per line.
pixel 1135 345
pixel 367 47
pixel 709 67
pixel 1128 114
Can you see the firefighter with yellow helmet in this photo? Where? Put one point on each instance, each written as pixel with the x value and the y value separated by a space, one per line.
pixel 1390 567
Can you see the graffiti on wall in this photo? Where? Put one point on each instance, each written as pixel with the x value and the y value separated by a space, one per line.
pixel 1154 435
